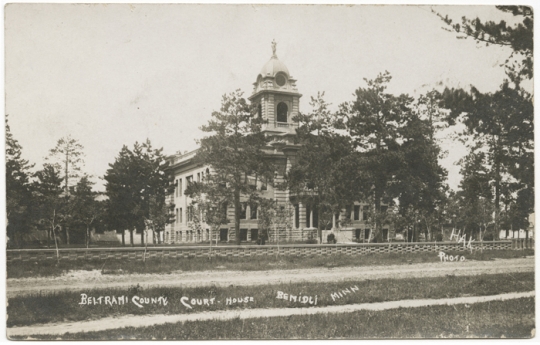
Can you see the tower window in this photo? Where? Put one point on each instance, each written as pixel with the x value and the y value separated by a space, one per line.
pixel 259 111
pixel 282 111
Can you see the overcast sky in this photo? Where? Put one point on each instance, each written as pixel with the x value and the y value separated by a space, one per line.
pixel 111 75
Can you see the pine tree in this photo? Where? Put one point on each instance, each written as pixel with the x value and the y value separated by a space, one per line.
pixel 136 178
pixel 234 150
pixel 18 190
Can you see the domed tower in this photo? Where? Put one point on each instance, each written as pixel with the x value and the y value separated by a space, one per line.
pixel 276 96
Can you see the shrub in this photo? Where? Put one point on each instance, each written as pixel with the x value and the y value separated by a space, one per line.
pixel 331 238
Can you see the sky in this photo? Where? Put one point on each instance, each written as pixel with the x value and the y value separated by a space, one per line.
pixel 111 75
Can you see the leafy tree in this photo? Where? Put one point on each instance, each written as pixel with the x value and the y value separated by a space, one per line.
pixel 136 178
pixel 421 178
pixel 51 202
pixel 210 200
pixel 234 150
pixel 373 121
pixel 475 195
pixel 518 37
pixel 18 190
pixel 322 176
pixel 67 158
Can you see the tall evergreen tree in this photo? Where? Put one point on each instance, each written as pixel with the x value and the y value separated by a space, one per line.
pixel 136 178
pixel 67 159
pixel 18 191
pixel 373 121
pixel 234 150
pixel 49 196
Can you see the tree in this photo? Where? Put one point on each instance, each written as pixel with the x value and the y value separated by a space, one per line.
pixel 322 176
pixel 67 158
pixel 420 177
pixel 209 199
pixel 85 209
pixel 373 121
pixel 138 179
pixel 502 121
pixel 234 150
pixel 518 37
pixel 503 124
pixel 50 200
pixel 18 190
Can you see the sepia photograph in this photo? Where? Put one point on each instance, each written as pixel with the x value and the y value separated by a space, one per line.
pixel 268 171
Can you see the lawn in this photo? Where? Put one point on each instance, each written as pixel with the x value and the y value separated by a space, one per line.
pixel 28 310
pixel 508 319
pixel 45 268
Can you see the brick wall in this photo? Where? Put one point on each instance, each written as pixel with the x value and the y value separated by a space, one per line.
pixel 248 250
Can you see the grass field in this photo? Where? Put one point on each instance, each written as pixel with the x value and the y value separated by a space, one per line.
pixel 118 266
pixel 508 319
pixel 30 310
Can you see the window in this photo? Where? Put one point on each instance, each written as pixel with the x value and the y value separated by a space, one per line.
pixel 357 233
pixel 243 234
pixel 224 235
pixel 254 234
pixel 176 186
pixel 179 236
pixel 385 234
pixel 264 184
pixel 177 217
pixel 253 211
pixel 208 234
pixel 190 213
pixel 282 111
pixel 338 214
pixel 199 177
pixel 180 187
pixel 243 207
pixel 199 239
pixel 308 216
pixel 365 211
pixel 315 217
pixel 252 182
pixel 348 211
pixel 259 111
pixel 224 209
pixel 189 180
pixel 297 216
pixel 356 212
pixel 180 215
pixel 367 232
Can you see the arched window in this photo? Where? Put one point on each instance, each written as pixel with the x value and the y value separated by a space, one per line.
pixel 259 111
pixel 282 111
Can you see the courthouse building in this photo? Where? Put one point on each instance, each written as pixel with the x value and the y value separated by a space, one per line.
pixel 277 99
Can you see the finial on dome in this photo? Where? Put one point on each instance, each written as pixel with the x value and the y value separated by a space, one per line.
pixel 274 48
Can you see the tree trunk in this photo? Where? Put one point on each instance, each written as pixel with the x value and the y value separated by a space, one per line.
pixel 123 238
pixel 87 237
pixel 48 238
pixel 67 235
pixel 142 238
pixel 131 237
pixel 237 207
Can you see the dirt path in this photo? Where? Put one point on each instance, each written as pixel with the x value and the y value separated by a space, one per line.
pixel 150 320
pixel 86 280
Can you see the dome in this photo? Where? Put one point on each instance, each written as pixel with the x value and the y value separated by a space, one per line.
pixel 273 67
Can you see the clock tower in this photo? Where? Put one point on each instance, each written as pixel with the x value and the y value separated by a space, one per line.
pixel 277 98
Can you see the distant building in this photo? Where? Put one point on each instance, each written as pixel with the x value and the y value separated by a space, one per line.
pixel 277 98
